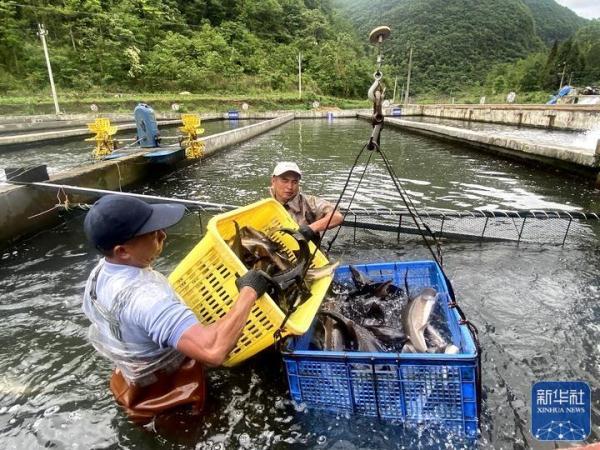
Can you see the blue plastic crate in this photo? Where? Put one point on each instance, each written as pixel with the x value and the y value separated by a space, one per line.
pixel 419 388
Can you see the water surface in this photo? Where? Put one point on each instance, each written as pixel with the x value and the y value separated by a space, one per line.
pixel 537 306
pixel 74 152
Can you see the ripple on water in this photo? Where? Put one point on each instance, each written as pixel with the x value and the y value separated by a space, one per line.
pixel 536 306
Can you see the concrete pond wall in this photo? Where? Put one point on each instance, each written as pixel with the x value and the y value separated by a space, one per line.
pixel 571 117
pixel 581 162
pixel 27 209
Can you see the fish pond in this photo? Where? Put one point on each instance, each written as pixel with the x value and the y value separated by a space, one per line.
pixel 537 306
pixel 74 152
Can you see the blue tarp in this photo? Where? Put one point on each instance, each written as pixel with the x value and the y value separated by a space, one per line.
pixel 561 93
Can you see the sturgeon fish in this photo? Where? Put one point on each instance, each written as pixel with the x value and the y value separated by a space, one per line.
pixel 391 337
pixel 358 338
pixel 285 269
pixel 321 272
pixel 365 285
pixel 415 318
pixel 439 344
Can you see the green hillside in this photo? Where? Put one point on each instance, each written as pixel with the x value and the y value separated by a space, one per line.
pixel 252 46
pixel 578 58
pixel 455 43
pixel 200 46
pixel 553 21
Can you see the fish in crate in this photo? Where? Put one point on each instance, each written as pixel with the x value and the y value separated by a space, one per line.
pixel 288 270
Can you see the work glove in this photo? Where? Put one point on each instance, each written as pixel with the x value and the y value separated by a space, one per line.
pixel 254 279
pixel 309 234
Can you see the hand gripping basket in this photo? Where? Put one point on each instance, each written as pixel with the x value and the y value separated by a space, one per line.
pixel 205 279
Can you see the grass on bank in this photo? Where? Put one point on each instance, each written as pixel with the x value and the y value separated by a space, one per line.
pixel 537 97
pixel 71 102
pixel 76 102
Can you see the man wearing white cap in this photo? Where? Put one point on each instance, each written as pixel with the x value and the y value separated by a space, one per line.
pixel 310 212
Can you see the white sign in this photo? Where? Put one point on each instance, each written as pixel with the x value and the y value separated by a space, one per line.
pixel 315 104
pixel 175 106
pixel 386 103
pixel 510 98
pixel 245 106
pixel 482 100
pixel 94 107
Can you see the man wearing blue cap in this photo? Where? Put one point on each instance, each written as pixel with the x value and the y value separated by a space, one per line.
pixel 313 214
pixel 138 321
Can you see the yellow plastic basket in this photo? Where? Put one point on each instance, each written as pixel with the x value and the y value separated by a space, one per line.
pixel 205 279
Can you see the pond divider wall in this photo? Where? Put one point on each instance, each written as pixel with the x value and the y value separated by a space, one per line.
pixel 46 136
pixel 27 209
pixel 578 161
pixel 569 117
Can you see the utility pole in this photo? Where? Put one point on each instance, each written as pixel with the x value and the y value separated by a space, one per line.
pixel 408 78
pixel 300 75
pixel 42 34
pixel 562 78
pixel 394 94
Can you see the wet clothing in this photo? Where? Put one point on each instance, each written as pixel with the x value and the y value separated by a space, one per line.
pixel 137 321
pixel 306 209
pixel 183 387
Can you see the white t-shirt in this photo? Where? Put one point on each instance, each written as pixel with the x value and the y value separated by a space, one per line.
pixel 137 317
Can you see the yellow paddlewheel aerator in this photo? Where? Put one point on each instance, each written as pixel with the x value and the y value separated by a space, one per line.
pixel 105 142
pixel 194 148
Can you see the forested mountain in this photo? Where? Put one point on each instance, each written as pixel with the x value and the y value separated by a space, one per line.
pixel 553 21
pixel 250 46
pixel 576 61
pixel 456 42
pixel 195 45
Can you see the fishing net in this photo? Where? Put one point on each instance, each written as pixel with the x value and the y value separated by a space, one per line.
pixel 531 226
pixel 555 227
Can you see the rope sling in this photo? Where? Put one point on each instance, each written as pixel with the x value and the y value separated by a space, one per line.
pixel 376 94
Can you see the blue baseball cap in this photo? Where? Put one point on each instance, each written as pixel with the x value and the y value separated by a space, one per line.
pixel 114 219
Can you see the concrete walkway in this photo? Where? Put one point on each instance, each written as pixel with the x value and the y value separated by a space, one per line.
pixel 564 117
pixel 580 161
pixel 43 136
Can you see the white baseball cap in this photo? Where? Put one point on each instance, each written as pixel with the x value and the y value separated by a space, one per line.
pixel 286 166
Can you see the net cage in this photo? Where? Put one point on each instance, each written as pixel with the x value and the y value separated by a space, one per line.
pixel 528 226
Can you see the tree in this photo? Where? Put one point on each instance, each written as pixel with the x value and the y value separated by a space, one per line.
pixel 549 75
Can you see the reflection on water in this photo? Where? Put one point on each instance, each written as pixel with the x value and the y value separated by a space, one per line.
pixel 537 307
pixel 74 152
pixel 435 174
pixel 577 139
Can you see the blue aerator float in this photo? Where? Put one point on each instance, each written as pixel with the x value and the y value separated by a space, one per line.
pixel 148 135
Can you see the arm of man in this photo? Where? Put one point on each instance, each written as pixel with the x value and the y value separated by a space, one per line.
pixel 325 211
pixel 156 309
pixel 321 224
pixel 211 344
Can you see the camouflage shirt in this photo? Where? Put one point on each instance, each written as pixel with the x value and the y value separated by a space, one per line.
pixel 306 209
